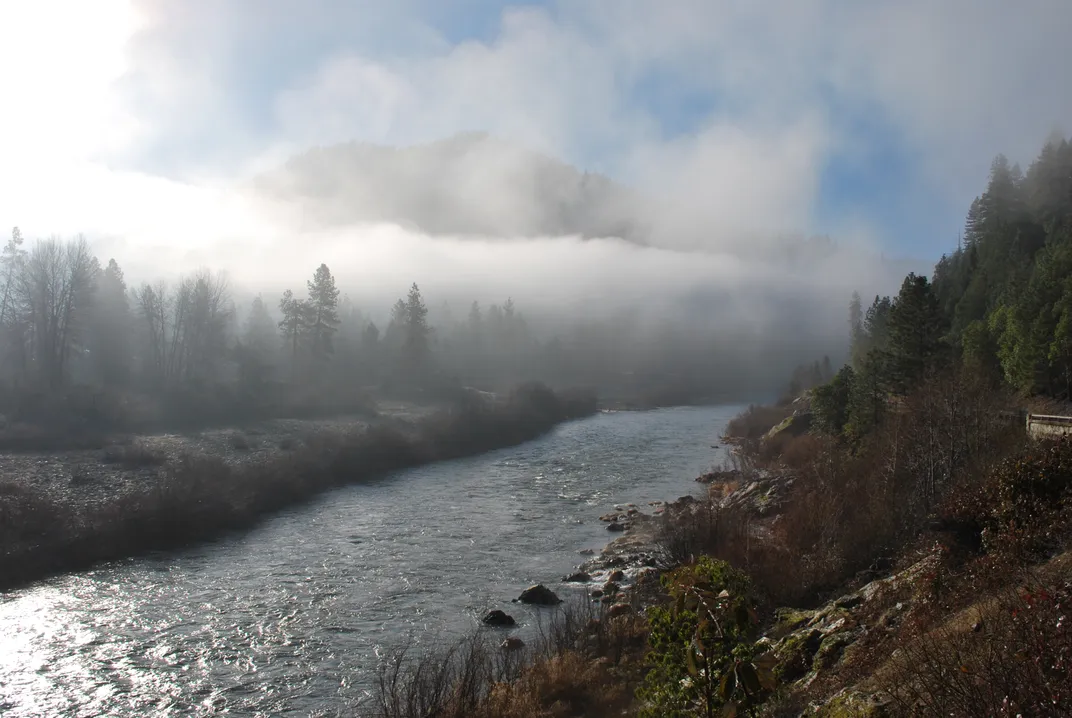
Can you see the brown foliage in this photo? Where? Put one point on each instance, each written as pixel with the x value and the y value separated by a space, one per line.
pixel 1012 657
pixel 852 507
pixel 756 421
pixel 581 664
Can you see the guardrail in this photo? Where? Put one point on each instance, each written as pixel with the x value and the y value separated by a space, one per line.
pixel 1041 425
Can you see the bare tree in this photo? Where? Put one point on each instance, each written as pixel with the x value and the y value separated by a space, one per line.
pixel 186 329
pixel 12 325
pixel 154 306
pixel 56 288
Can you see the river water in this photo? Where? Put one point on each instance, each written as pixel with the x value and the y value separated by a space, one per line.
pixel 291 617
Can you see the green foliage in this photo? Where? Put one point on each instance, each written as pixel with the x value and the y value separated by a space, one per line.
pixel 867 396
pixel 1006 294
pixel 830 402
pixel 979 350
pixel 915 331
pixel 703 659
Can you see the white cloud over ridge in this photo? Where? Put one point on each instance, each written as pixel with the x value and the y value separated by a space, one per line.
pixel 135 119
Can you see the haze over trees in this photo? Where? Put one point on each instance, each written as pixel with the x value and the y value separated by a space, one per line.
pixel 81 348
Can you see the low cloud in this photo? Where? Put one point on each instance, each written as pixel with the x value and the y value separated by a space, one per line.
pixel 717 121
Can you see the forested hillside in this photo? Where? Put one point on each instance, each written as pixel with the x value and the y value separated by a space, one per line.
pixel 1000 305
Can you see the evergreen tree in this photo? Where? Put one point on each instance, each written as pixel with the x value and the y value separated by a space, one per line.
pixel 831 401
pixel 416 347
pixel 867 398
pixel 295 314
pixel 915 331
pixel 322 309
pixel 109 330
pixel 857 337
pixel 260 329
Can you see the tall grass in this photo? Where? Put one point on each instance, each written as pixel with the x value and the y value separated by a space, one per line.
pixel 573 667
pixel 199 498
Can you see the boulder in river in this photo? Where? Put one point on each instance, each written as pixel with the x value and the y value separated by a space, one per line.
pixel 619 609
pixel 577 577
pixel 615 526
pixel 617 575
pixel 539 595
pixel 512 644
pixel 498 618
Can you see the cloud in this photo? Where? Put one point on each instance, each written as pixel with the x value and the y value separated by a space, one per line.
pixel 137 118
pixel 755 100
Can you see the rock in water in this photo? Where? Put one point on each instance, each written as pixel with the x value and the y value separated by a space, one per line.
pixel 615 526
pixel 498 618
pixel 539 595
pixel 578 577
pixel 512 644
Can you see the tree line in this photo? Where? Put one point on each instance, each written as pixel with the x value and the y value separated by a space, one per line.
pixel 77 344
pixel 999 306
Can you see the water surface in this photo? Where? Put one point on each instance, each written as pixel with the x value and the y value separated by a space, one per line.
pixel 291 617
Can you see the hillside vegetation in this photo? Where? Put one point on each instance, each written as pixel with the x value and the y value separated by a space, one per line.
pixel 888 541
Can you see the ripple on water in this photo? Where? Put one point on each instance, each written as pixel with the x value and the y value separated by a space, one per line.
pixel 294 617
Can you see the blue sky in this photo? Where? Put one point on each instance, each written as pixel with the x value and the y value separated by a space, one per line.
pixel 874 122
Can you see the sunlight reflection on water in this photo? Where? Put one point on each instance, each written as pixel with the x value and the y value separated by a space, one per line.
pixel 293 617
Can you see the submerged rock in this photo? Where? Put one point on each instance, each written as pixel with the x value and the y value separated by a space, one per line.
pixel 539 595
pixel 498 618
pixel 512 644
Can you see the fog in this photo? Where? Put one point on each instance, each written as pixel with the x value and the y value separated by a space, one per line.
pixel 477 218
pixel 701 186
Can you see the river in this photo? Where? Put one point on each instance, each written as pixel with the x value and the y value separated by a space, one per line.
pixel 291 617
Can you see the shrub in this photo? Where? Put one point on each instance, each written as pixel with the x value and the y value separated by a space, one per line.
pixel 563 672
pixel 702 658
pixel 1014 658
pixel 756 421
pixel 239 441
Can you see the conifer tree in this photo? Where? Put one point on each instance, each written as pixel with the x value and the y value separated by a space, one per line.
pixel 322 308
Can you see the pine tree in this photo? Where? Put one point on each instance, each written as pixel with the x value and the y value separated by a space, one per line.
pixel 260 328
pixel 109 330
pixel 415 348
pixel 915 330
pixel 857 348
pixel 292 325
pixel 323 311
